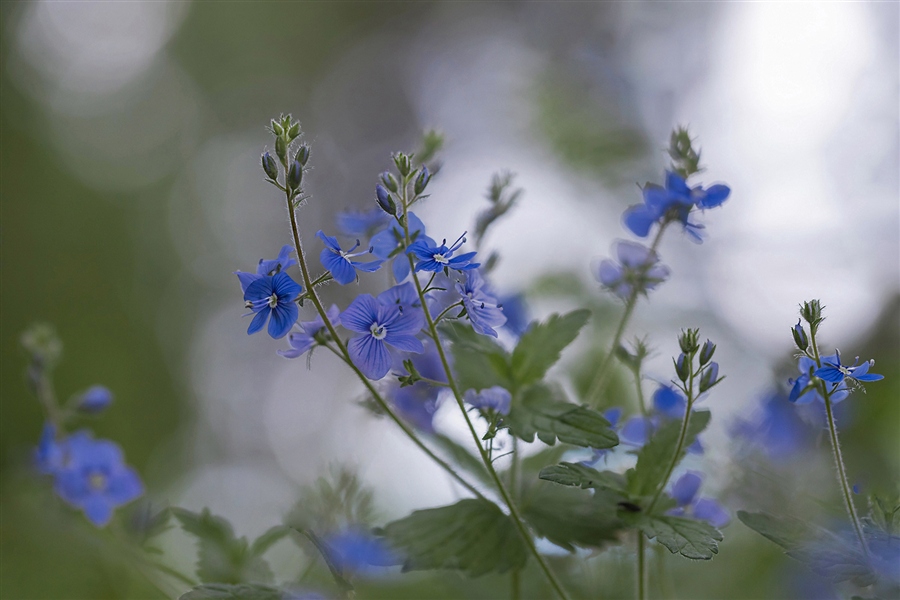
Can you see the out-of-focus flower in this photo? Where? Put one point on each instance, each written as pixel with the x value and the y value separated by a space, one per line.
pixel 494 398
pixel 636 273
pixel 95 399
pixel 304 339
pixel 684 492
pixel 482 309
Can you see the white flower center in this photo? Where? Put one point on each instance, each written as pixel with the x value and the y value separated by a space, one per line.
pixel 440 258
pixel 273 301
pixel 378 331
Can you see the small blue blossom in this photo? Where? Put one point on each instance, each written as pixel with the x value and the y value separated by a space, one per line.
pixel 482 309
pixel 801 393
pixel 93 476
pixel 267 268
pixel 833 371
pixel 781 430
pixel 493 398
pixel 638 272
pixel 684 492
pixel 404 296
pixel 355 223
pixel 417 403
pixel 339 263
pixel 380 324
pixel 301 341
pixel 386 243
pixel 436 258
pixel 273 295
pixel 356 550
pixel 95 399
pixel 668 402
pixel 515 309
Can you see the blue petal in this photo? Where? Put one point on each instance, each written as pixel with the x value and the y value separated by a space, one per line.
pixel 300 343
pixel 715 196
pixel 284 315
pixel 361 314
pixel 285 288
pixel 368 267
pixel 634 255
pixel 405 343
pixel 339 267
pixel 829 373
pixel 400 268
pixel 246 279
pixel 656 199
pixel 634 431
pixel 98 510
pixel 329 241
pixel 639 220
pixel 370 355
pixel 676 184
pixel 259 289
pixel 711 511
pixel 684 490
pixel 669 402
pixel 612 415
pixel 124 487
pixel 400 322
pixel 259 321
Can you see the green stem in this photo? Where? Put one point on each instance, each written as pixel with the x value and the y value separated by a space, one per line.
pixel 504 493
pixel 640 392
pixel 641 568
pixel 602 374
pixel 345 355
pixel 836 451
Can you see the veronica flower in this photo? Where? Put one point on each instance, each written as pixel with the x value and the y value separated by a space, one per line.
pixel 404 296
pixel 515 310
pixel 273 295
pixel 95 399
pixel 684 492
pixel 436 258
pixel 267 268
pixel 780 431
pixel 386 244
pixel 833 371
pixel 668 402
pixel 361 222
pixel 482 309
pixel 379 325
pixel 802 393
pixel 493 398
pixel 339 263
pixel 356 550
pixel 301 341
pixel 637 273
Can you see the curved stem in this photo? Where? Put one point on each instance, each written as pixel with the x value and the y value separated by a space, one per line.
pixel 602 373
pixel 345 355
pixel 498 482
pixel 836 451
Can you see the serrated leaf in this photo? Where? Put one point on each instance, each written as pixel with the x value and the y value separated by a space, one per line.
pixel 570 518
pixel 478 361
pixel 539 347
pixel 243 591
pixel 574 474
pixel 269 538
pixel 542 410
pixel 221 557
pixel 473 536
pixel 697 540
pixel 654 458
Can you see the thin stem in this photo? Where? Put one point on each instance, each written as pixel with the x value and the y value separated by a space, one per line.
pixel 504 493
pixel 382 404
pixel 602 374
pixel 446 310
pixel 640 393
pixel 641 568
pixel 836 451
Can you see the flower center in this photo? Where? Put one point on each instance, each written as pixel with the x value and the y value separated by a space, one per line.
pixel 845 370
pixel 273 301
pixel 97 481
pixel 378 331
pixel 440 258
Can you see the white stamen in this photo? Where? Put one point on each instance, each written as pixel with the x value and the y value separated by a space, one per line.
pixel 378 331
pixel 440 258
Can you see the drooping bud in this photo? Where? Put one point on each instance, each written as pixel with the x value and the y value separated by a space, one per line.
pixel 389 181
pixel 422 180
pixel 269 166
pixel 95 399
pixel 710 377
pixel 281 148
pixel 385 201
pixel 295 175
pixel 403 163
pixel 683 367
pixel 302 156
pixel 799 334
pixel 706 352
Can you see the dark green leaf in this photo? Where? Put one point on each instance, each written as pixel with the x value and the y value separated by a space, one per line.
pixel 574 474
pixel 570 518
pixel 478 361
pixel 697 540
pixel 539 347
pixel 542 410
pixel 472 535
pixel 269 538
pixel 656 455
pixel 224 591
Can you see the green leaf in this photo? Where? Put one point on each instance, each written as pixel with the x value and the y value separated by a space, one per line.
pixel 697 540
pixel 787 532
pixel 542 410
pixel 221 558
pixel 656 455
pixel 573 474
pixel 540 346
pixel 473 536
pixel 268 539
pixel 224 591
pixel 478 361
pixel 570 518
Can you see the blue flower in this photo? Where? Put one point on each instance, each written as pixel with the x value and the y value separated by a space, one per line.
pixel 515 309
pixel 684 492
pixel 436 258
pixel 482 309
pixel 833 371
pixel 493 398
pixel 417 403
pixel 49 454
pixel 94 477
pixel 267 267
pixel 380 325
pixel 273 295
pixel 668 402
pixel 404 296
pixel 301 341
pixel 638 272
pixel 357 550
pixel 780 431
pixel 802 393
pixel 338 261
pixel 385 244
pixel 361 222
pixel 95 399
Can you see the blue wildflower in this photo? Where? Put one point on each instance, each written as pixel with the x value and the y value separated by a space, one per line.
pixel 803 390
pixel 436 258
pixel 301 341
pixel 482 309
pixel 515 309
pixel 418 403
pixel 339 263
pixel 833 371
pixel 380 325
pixel 404 296
pixel 780 431
pixel 355 223
pixel 267 268
pixel 684 492
pixel 638 272
pixel 273 295
pixel 356 550
pixel 668 402
pixel 95 478
pixel 386 244
pixel 95 399
pixel 493 398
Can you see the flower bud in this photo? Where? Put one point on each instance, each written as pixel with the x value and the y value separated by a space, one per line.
pixel 688 340
pixel 811 312
pixel 385 201
pixel 276 128
pixel 709 377
pixel 294 131
pixel 683 367
pixel 269 166
pixel 389 181
pixel 281 148
pixel 800 336
pixel 295 175
pixel 302 156
pixel 422 180
pixel 95 399
pixel 403 163
pixel 706 352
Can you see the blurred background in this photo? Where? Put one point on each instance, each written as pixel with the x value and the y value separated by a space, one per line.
pixel 131 190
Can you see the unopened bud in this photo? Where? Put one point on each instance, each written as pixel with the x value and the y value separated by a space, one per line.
pixel 269 166
pixel 95 399
pixel 688 340
pixel 385 201
pixel 295 175
pixel 706 352
pixel 800 336
pixel 683 367
pixel 302 156
pixel 422 180
pixel 403 164
pixel 277 128
pixel 389 181
pixel 710 377
pixel 294 131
